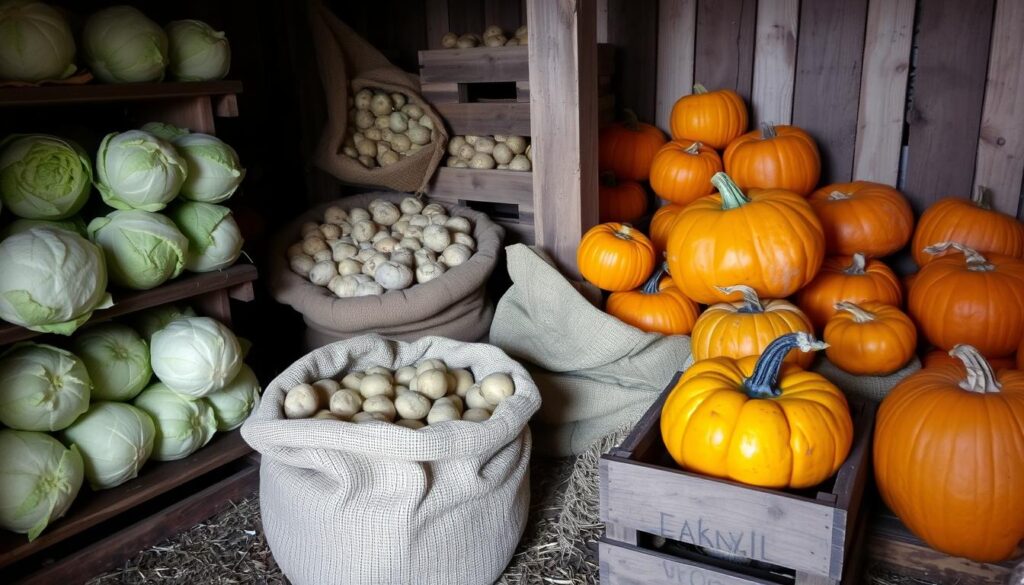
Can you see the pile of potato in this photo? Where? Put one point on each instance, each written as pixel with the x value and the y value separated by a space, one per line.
pixel 490 152
pixel 384 127
pixel 363 252
pixel 413 396
pixel 492 37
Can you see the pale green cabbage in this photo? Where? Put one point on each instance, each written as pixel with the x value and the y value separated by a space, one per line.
pixel 36 43
pixel 52 280
pixel 233 403
pixel 195 356
pixel 164 131
pixel 117 360
pixel 143 249
pixel 214 171
pixel 152 320
pixel 214 240
pixel 74 224
pixel 115 440
pixel 122 45
pixel 183 425
pixel 43 176
pixel 39 478
pixel 136 170
pixel 198 53
pixel 42 388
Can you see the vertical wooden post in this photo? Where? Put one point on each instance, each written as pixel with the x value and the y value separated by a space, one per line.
pixel 775 61
pixel 563 122
pixel 677 28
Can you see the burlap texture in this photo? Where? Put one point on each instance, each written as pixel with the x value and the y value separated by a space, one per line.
pixel 347 64
pixel 376 503
pixel 454 305
pixel 871 387
pixel 596 373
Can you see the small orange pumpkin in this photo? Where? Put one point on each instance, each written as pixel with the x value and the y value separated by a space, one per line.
pixel 972 223
pixel 622 201
pixel 939 357
pixel 655 308
pixel 854 279
pixel 774 157
pixel 661 226
pixel 1020 356
pixel 715 118
pixel 682 173
pixel 870 218
pixel 627 148
pixel 870 339
pixel 615 257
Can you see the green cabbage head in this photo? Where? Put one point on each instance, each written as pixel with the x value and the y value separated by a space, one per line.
pixel 143 249
pixel 74 224
pixel 198 53
pixel 39 478
pixel 214 240
pixel 214 171
pixel 195 356
pixel 183 425
pixel 36 43
pixel 233 403
pixel 164 131
pixel 136 170
pixel 115 440
pixel 152 320
pixel 43 176
pixel 42 388
pixel 122 45
pixel 117 360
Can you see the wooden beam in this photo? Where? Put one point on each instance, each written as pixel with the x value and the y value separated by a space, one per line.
pixel 677 27
pixel 724 56
pixel 602 21
pixel 437 22
pixel 563 116
pixel 775 61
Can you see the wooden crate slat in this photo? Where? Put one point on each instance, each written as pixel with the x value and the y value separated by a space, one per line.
pixel 775 61
pixel 522 233
pixel 724 57
pixel 114 92
pixel 952 56
pixel 623 564
pixel 828 80
pixel 476 65
pixel 883 90
pixel 497 186
pixel 602 21
pixel 437 22
pixel 505 14
pixel 193 113
pixel 1001 146
pixel 632 28
pixel 677 22
pixel 487 118
pixel 442 93
pixel 466 16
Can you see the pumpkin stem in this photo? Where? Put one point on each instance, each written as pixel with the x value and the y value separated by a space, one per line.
pixel 856 266
pixel 699 88
pixel 763 382
pixel 980 377
pixel 625 232
pixel 608 179
pixel 732 196
pixel 981 197
pixel 653 284
pixel 693 148
pixel 837 196
pixel 630 120
pixel 751 302
pixel 975 261
pixel 768 130
pixel 859 315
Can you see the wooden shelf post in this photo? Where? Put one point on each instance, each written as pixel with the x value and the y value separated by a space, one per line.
pixel 563 121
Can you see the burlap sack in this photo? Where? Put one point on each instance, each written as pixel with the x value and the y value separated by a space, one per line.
pixel 454 305
pixel 596 373
pixel 870 387
pixel 347 64
pixel 376 503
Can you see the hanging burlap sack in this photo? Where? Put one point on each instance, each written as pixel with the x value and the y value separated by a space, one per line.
pixel 596 373
pixel 454 305
pixel 873 388
pixel 346 503
pixel 347 64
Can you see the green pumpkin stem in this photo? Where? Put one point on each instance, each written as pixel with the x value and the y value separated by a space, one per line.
pixel 980 377
pixel 693 148
pixel 630 120
pixel 982 198
pixel 608 179
pixel 698 88
pixel 837 196
pixel 653 284
pixel 857 264
pixel 763 383
pixel 975 261
pixel 732 195
pixel 860 315
pixel 751 302
pixel 768 130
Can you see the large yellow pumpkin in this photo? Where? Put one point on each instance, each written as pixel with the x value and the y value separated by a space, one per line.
pixel 757 420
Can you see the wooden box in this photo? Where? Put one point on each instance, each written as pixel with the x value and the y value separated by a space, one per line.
pixel 662 521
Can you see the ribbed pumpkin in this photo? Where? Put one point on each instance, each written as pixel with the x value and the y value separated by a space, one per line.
pixel 757 420
pixel 662 223
pixel 655 308
pixel 774 157
pixel 870 339
pixel 972 223
pixel 746 328
pixel 854 279
pixel 771 242
pixel 622 201
pixel 870 218
pixel 949 457
pixel 1020 356
pixel 615 257
pixel 627 148
pixel 939 357
pixel 682 172
pixel 715 118
pixel 970 298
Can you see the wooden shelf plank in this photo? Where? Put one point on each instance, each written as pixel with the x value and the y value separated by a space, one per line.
pixel 156 478
pixel 493 185
pixel 48 95
pixel 130 301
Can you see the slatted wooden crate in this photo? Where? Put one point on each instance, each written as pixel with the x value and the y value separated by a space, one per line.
pixel 661 520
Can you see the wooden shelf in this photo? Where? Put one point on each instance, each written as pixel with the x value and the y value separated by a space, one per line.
pixel 97 93
pixel 92 508
pixel 126 302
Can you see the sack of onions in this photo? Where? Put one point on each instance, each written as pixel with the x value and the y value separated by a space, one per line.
pixel 390 264
pixel 403 502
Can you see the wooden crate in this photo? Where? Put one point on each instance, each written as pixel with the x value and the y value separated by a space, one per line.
pixel 807 537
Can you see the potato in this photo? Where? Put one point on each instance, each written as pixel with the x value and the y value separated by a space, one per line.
pixel 463 381
pixel 404 374
pixel 365 417
pixel 497 387
pixel 346 403
pixel 441 413
pixel 411 424
pixel 432 383
pixel 325 389
pixel 380 404
pixel 476 414
pixel 301 401
pixel 376 385
pixel 326 415
pixel 430 364
pixel 412 405
pixel 352 380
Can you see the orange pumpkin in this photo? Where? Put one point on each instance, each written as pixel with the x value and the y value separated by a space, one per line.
pixel 655 308
pixel 662 223
pixel 627 148
pixel 1020 356
pixel 774 157
pixel 746 328
pixel 972 223
pixel 870 218
pixel 757 420
pixel 715 118
pixel 870 339
pixel 771 242
pixel 682 173
pixel 939 357
pixel 623 201
pixel 854 279
pixel 615 257
pixel 949 456
pixel 970 298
